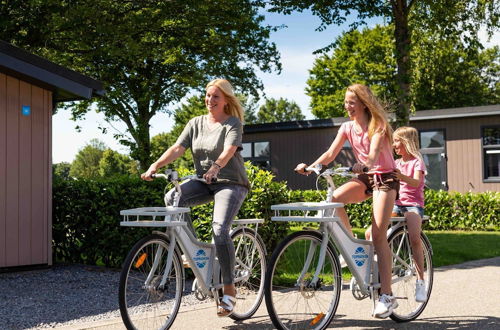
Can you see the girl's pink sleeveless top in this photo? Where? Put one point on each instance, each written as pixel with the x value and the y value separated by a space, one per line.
pixel 360 144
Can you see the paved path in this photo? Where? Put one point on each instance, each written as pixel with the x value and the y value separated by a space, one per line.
pixel 465 296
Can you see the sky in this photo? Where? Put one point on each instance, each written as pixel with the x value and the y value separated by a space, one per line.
pixel 296 44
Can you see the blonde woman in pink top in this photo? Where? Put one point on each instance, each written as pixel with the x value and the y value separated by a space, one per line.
pixel 370 136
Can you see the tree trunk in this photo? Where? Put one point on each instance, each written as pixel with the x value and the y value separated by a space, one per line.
pixel 403 76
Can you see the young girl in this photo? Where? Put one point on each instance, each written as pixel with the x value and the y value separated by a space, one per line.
pixel 410 169
pixel 370 136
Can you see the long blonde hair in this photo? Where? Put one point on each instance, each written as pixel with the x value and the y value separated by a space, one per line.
pixel 409 138
pixel 233 107
pixel 378 121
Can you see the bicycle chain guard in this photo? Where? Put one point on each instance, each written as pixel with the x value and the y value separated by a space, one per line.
pixel 356 290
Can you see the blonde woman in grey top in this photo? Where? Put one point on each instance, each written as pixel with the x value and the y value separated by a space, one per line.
pixel 215 142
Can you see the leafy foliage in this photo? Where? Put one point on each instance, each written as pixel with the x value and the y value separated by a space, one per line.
pixel 273 111
pixel 149 54
pixel 462 18
pixel 365 57
pixel 446 74
pixel 86 162
pixel 96 160
pixel 86 213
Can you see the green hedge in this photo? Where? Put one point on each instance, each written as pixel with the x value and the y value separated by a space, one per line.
pixel 86 216
pixel 448 211
pixel 86 213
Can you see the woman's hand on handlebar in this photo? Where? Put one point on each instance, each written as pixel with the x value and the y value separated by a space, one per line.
pixel 148 174
pixel 301 169
pixel 211 175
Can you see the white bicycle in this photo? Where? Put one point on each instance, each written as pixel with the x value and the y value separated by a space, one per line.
pixel 152 278
pixel 303 279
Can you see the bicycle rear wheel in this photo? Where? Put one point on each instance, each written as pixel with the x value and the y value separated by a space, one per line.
pixel 144 302
pixel 294 302
pixel 250 265
pixel 404 275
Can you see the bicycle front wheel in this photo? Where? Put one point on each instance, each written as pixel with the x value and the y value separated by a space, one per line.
pixel 293 299
pixel 404 277
pixel 146 302
pixel 250 268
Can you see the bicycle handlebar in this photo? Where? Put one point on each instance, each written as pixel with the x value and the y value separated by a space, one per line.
pixel 173 176
pixel 342 171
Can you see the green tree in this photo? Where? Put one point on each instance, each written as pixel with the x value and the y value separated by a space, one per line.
pixel 273 111
pixel 447 74
pixel 86 163
pixel 112 163
pixel 61 170
pixel 365 57
pixel 447 17
pixel 149 54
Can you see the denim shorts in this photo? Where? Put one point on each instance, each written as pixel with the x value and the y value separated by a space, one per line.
pixel 400 210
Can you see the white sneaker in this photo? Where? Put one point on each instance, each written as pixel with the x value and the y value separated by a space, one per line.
pixel 384 307
pixel 420 291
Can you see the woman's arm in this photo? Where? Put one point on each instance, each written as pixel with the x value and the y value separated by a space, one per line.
pixel 221 161
pixel 168 156
pixel 327 157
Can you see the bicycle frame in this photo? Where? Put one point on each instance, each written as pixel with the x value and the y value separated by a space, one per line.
pixel 357 253
pixel 199 255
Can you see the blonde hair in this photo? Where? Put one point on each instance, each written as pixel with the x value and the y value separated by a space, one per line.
pixel 378 121
pixel 409 138
pixel 233 107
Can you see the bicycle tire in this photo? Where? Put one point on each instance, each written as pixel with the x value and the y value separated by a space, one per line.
pixel 250 254
pixel 404 290
pixel 150 307
pixel 294 304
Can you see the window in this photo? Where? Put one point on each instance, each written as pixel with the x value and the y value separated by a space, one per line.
pixel 258 153
pixel 432 147
pixel 491 153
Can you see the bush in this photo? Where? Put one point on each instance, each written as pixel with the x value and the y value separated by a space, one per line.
pixel 86 215
pixel 469 211
pixel 447 211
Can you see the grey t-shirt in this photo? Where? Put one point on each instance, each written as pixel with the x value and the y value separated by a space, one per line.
pixel 207 143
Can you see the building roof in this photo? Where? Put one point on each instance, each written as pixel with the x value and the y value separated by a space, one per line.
pixel 67 85
pixel 479 111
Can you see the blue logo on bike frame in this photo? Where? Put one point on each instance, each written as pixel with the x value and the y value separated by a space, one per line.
pixel 200 258
pixel 360 256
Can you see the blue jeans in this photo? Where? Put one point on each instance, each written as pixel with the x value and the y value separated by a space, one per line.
pixel 227 202
pixel 400 210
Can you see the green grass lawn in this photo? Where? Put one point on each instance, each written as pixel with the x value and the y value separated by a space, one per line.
pixel 450 247
pixel 455 247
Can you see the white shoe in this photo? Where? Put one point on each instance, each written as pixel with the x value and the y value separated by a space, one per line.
pixel 384 307
pixel 342 262
pixel 420 291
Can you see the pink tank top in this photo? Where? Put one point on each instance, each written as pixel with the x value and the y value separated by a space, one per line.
pixel 360 144
pixel 408 195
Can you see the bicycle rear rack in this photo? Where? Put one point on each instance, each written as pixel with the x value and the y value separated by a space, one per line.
pixel 159 216
pixel 306 212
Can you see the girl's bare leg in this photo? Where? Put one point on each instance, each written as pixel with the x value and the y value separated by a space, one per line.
pixel 350 192
pixel 383 202
pixel 414 223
